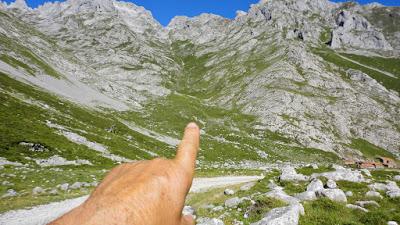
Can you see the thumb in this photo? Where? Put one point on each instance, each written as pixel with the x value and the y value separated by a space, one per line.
pixel 187 220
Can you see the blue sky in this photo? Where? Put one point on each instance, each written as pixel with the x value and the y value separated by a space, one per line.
pixel 165 10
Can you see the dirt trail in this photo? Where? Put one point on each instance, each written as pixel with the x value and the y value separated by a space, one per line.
pixel 43 214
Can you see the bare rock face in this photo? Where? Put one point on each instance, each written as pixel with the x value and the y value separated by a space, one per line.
pixel 334 195
pixel 264 59
pixel 356 32
pixel 288 215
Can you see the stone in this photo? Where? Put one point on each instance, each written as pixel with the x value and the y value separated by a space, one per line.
pixel 290 174
pixel 393 194
pixel 349 193
pixel 232 202
pixel 365 203
pixel 373 194
pixel 209 221
pixel 342 173
pixel 64 187
pixel 392 223
pixel 38 191
pixel 218 208
pixel 53 191
pixel 331 184
pixel 76 185
pixel 334 195
pixel 396 178
pixel 315 185
pixel 351 206
pixel 281 195
pixel 306 196
pixel 366 172
pixel 10 193
pixel 229 192
pixel 288 215
pixel 188 210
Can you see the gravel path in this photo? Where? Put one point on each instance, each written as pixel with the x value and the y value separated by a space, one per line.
pixel 45 213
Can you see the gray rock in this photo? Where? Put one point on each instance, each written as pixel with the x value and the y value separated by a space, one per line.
pixel 209 221
pixel 38 191
pixel 232 202
pixel 349 193
pixel 290 174
pixel 76 185
pixel 229 192
pixel 281 195
pixel 392 223
pixel 64 187
pixel 288 215
pixel 373 194
pixel 306 196
pixel 342 174
pixel 393 194
pixel 366 203
pixel 218 208
pixel 315 185
pixel 10 193
pixel 351 206
pixel 334 195
pixel 396 178
pixel 331 184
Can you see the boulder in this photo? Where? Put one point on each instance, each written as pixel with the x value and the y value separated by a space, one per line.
pixel 373 194
pixel 64 187
pixel 229 192
pixel 365 203
pixel 331 184
pixel 334 195
pixel 218 208
pixel 351 206
pixel 233 202
pixel 38 191
pixel 290 174
pixel 342 173
pixel 349 193
pixel 378 187
pixel 288 215
pixel 209 221
pixel 315 185
pixel 396 178
pixel 76 185
pixel 392 223
pixel 393 194
pixel 281 195
pixel 306 196
pixel 366 172
pixel 10 193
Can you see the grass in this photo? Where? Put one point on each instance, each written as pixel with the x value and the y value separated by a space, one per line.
pixel 390 65
pixel 369 150
pixel 308 170
pixel 344 65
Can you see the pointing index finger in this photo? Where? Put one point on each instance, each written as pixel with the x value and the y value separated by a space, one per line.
pixel 188 148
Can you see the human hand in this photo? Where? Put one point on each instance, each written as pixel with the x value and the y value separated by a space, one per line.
pixel 143 193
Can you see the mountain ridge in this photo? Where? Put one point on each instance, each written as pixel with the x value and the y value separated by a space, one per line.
pixel 294 53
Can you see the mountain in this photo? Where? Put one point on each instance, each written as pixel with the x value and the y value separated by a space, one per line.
pixel 88 84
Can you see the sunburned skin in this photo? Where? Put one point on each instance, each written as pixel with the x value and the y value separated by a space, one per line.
pixel 143 193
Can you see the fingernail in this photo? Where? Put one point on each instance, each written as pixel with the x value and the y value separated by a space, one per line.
pixel 192 125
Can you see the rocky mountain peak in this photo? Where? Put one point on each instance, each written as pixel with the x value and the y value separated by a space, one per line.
pixel 19 4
